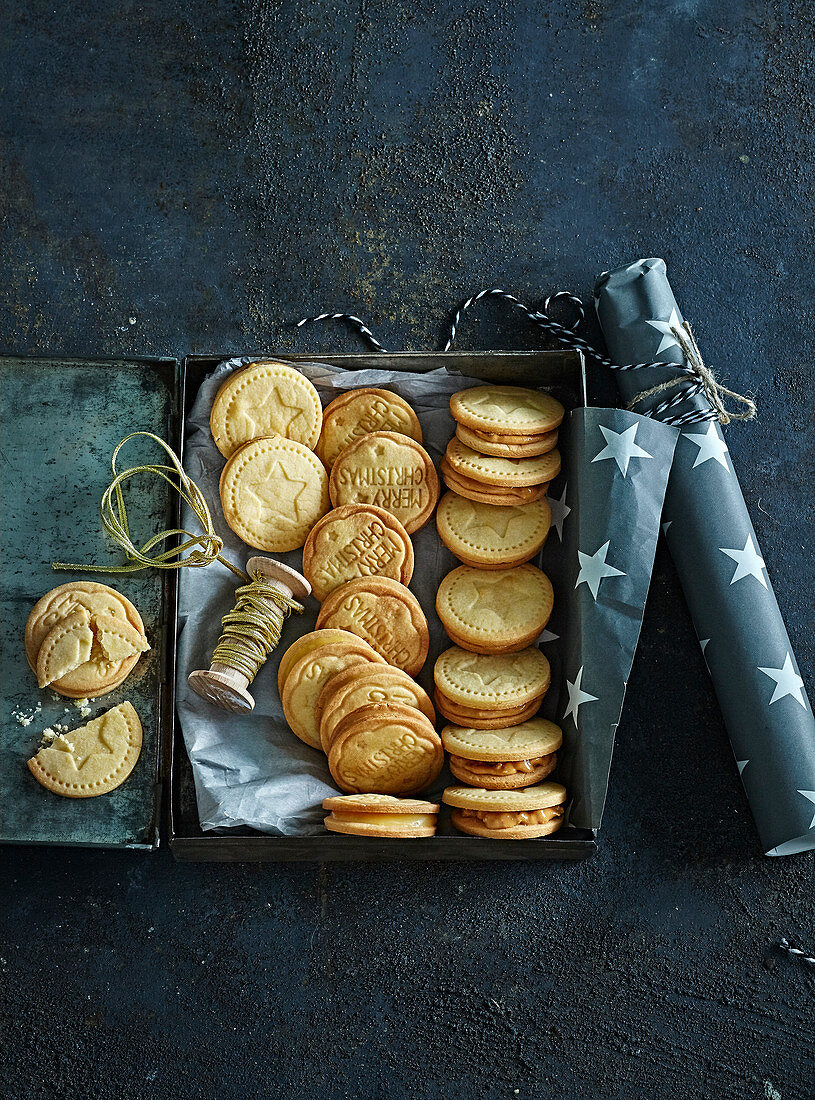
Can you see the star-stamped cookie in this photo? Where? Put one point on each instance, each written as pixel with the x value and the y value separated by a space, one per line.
pixel 510 410
pixel 273 491
pixel 490 536
pixel 494 611
pixel 262 399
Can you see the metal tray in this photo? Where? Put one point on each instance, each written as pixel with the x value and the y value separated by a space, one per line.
pixel 563 373
pixel 61 420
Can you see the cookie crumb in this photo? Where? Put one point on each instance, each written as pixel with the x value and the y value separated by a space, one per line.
pixel 25 719
pixel 83 707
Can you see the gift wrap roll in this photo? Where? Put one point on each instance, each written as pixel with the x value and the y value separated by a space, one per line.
pixel 711 539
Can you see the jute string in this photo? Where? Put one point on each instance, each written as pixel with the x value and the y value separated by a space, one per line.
pixel 714 391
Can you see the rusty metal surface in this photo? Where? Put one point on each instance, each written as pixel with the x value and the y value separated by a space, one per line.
pixel 180 177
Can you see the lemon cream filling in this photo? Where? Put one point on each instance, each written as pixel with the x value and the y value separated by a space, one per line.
pixel 358 818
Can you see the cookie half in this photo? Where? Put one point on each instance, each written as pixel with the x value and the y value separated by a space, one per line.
pixel 63 600
pixel 495 610
pixel 264 399
pixel 386 614
pixel 390 471
pixel 93 759
pixel 507 815
pixel 353 541
pixel 381 815
pixel 360 412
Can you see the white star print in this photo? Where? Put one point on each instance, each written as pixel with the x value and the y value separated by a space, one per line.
pixel 577 697
pixel 665 526
pixel 668 340
pixel 741 765
pixel 703 643
pixel 548 636
pixel 787 682
pixel 621 447
pixel 710 444
pixel 560 510
pixel 811 796
pixel 749 562
pixel 593 569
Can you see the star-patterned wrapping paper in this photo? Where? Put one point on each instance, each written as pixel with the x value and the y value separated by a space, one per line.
pixel 723 574
pixel 249 769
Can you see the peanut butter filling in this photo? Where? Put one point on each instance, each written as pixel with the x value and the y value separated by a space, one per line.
pixel 499 767
pixel 505 819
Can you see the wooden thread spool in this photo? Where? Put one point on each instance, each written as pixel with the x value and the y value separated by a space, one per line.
pixel 225 686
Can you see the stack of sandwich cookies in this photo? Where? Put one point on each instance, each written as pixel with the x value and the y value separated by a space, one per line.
pixel 360 412
pixel 381 815
pixel 494 611
pixel 83 639
pixel 507 414
pixel 491 537
pixel 507 814
pixel 506 446
pixel 503 759
pixel 490 691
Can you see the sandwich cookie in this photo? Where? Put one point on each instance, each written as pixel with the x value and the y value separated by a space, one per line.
pixel 485 719
pixel 386 614
pixel 305 681
pixel 507 446
pixel 490 494
pixel 494 611
pixel 97 599
pixel 385 748
pixel 93 759
pixel 273 491
pixel 494 681
pixel 358 686
pixel 263 399
pixel 504 473
pixel 356 540
pixel 510 410
pixel 381 815
pixel 491 537
pixel 503 759
pixel 360 412
pixel 390 471
pixel 507 815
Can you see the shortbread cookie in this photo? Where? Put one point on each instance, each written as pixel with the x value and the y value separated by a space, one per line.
pixel 356 540
pixel 503 759
pixel 492 682
pixel 508 715
pixel 83 656
pixel 390 471
pixel 264 399
pixel 386 614
pixel 510 446
pixel 484 719
pixel 93 759
pixel 492 537
pixel 509 409
pixel 305 681
pixel 385 748
pixel 507 815
pixel 309 643
pixel 273 491
pixel 502 609
pixel 490 494
pixel 505 473
pixel 360 412
pixel 358 686
pixel 65 598
pixel 381 815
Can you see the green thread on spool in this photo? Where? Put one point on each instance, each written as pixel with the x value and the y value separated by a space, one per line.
pixel 203 549
pixel 251 630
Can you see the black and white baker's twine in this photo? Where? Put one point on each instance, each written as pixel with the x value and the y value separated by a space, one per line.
pixel 695 377
pixel 795 952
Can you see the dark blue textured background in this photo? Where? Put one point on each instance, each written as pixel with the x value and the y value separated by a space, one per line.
pixel 180 177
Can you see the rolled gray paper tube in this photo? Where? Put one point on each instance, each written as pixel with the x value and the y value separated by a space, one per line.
pixel 711 539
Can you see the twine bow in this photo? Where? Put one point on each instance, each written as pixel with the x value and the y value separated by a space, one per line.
pixel 203 549
pixel 706 381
